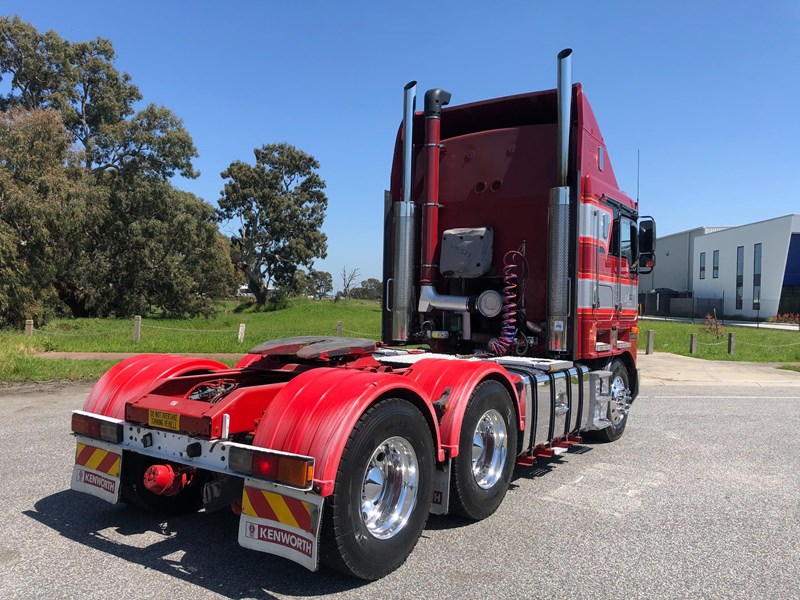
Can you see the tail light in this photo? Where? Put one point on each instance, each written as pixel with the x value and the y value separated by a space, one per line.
pixel 97 427
pixel 288 469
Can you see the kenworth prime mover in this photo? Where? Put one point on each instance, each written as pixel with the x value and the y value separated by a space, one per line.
pixel 510 252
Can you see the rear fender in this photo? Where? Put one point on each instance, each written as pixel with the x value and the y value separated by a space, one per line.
pixel 437 375
pixel 247 360
pixel 315 413
pixel 133 377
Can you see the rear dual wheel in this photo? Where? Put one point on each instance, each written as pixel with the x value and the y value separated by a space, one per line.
pixel 486 453
pixel 382 494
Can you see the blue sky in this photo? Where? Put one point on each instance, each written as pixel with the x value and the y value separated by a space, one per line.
pixel 707 91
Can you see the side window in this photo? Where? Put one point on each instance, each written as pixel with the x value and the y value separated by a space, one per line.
pixel 757 277
pixel 739 276
pixel 702 265
pixel 626 239
pixel 622 235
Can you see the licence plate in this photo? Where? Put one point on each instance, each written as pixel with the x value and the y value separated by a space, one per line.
pixel 163 420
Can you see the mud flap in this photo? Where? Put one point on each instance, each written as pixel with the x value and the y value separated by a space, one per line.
pixel 441 489
pixel 97 469
pixel 281 521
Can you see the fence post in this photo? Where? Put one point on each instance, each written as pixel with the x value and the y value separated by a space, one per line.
pixel 28 326
pixel 650 335
pixel 137 328
pixel 240 338
pixel 693 344
pixel 731 343
pixel 338 329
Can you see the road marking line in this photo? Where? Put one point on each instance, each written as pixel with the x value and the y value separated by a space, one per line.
pixel 718 397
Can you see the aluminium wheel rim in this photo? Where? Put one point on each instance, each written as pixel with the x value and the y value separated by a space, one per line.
pixel 619 400
pixel 389 487
pixel 489 449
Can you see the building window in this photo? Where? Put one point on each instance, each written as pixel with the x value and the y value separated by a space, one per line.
pixel 757 277
pixel 702 265
pixel 715 272
pixel 739 276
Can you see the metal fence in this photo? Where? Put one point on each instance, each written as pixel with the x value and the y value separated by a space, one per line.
pixel 687 305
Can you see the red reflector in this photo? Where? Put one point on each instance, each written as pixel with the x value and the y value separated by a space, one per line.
pixel 265 466
pixel 85 425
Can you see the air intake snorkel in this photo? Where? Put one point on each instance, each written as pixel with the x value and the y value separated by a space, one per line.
pixel 404 233
pixel 558 282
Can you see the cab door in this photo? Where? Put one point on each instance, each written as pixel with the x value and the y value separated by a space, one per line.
pixel 627 292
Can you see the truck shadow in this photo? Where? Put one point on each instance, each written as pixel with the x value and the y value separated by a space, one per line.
pixel 542 467
pixel 200 549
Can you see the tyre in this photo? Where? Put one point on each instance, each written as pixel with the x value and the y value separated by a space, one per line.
pixel 133 491
pixel 618 407
pixel 486 453
pixel 382 493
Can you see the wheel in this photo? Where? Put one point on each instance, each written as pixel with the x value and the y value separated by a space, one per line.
pixel 133 491
pixel 619 405
pixel 382 493
pixel 486 453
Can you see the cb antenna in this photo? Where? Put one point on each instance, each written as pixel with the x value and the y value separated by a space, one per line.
pixel 638 152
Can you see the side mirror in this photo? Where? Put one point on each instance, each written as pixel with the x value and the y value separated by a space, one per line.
pixel 647 245
pixel 647 235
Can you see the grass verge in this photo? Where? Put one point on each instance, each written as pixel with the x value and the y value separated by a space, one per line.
pixel 219 334
pixel 306 317
pixel 752 345
pixel 18 362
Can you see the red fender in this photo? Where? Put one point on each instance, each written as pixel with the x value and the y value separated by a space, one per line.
pixel 247 360
pixel 133 377
pixel 435 375
pixel 316 411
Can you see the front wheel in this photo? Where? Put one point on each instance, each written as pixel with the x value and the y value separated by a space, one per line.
pixel 382 494
pixel 486 453
pixel 619 405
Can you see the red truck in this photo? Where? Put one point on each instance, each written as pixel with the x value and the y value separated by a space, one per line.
pixel 510 252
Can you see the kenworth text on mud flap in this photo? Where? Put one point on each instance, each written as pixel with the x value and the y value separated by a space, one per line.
pixel 510 251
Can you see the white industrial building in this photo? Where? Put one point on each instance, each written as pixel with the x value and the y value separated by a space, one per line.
pixel 754 269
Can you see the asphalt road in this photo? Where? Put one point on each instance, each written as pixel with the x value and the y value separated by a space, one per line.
pixel 699 499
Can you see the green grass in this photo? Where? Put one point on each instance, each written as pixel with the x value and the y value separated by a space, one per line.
pixel 219 334
pixel 199 335
pixel 791 368
pixel 305 317
pixel 753 345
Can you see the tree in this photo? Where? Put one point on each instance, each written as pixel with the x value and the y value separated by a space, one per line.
pixel 95 101
pixel 348 277
pixel 369 289
pixel 280 206
pixel 300 285
pixel 35 185
pixel 156 247
pixel 312 283
pixel 88 220
pixel 321 283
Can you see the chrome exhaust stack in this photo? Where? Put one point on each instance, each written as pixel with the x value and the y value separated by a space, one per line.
pixel 404 231
pixel 558 295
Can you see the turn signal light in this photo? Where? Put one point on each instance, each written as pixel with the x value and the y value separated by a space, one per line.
pixel 288 469
pixel 96 427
